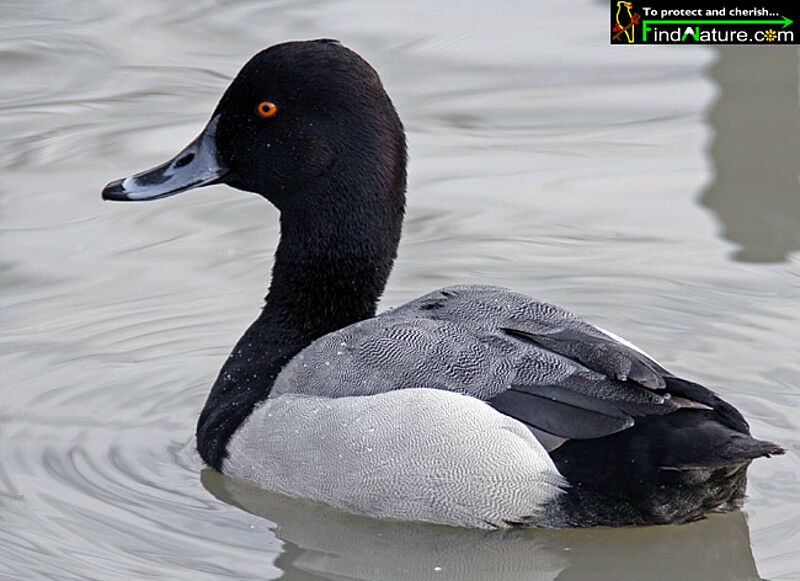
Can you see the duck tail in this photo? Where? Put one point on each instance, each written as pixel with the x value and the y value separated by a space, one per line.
pixel 736 450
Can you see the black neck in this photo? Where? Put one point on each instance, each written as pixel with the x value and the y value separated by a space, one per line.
pixel 330 269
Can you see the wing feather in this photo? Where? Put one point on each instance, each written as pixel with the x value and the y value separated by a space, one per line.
pixel 529 360
pixel 557 417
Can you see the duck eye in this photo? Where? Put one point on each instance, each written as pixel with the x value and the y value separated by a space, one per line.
pixel 266 109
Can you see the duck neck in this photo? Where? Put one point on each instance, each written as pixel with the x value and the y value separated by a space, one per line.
pixel 331 267
pixel 330 270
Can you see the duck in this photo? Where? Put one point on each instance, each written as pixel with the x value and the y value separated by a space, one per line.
pixel 471 406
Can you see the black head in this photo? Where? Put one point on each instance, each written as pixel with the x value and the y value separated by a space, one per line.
pixel 302 122
pixel 331 117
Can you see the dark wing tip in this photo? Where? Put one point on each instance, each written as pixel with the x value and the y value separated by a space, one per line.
pixel 566 420
pixel 597 352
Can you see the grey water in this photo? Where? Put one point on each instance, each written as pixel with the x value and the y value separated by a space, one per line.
pixel 653 190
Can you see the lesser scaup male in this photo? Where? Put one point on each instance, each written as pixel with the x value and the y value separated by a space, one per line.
pixel 472 405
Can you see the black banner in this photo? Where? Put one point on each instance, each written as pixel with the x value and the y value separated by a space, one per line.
pixel 760 22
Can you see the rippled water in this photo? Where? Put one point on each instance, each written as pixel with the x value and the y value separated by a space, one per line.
pixel 653 190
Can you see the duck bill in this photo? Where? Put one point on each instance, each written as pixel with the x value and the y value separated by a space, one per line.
pixel 197 165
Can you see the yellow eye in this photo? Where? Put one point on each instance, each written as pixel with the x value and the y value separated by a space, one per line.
pixel 266 109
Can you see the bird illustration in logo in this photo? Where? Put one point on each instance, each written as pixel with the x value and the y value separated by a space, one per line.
pixel 625 21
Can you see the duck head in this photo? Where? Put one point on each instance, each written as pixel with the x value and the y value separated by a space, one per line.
pixel 298 122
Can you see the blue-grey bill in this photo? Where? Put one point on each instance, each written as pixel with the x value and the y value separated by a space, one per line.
pixel 197 165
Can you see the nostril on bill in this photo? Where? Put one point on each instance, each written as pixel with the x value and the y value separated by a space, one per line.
pixel 184 160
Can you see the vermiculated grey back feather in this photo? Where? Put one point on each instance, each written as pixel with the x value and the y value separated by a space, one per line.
pixel 530 360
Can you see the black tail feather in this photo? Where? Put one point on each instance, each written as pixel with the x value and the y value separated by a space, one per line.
pixel 670 468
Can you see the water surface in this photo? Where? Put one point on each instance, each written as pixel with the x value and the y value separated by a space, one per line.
pixel 654 190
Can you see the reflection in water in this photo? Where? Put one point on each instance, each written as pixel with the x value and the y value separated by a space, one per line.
pixel 330 543
pixel 756 151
